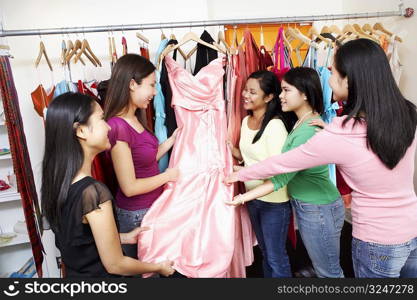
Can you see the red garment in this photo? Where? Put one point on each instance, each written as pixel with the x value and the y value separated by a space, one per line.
pixel 41 99
pixel 251 53
pixel 342 186
pixel 97 169
pixel 148 115
pixel 280 65
pixel 265 60
pixel 124 45
pixel 21 161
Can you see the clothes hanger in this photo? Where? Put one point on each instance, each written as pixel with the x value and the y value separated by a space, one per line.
pixel 335 29
pixel 163 37
pixel 184 56
pixel 380 27
pixel 359 30
pixel 221 40
pixel 142 37
pixel 85 46
pixel 292 33
pixel 287 42
pixel 190 36
pixel 42 52
pixel 313 32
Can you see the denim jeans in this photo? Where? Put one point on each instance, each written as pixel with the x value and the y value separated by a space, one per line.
pixel 129 220
pixel 270 222
pixel 320 226
pixel 371 260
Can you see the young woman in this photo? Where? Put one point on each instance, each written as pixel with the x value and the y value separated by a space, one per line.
pixel 79 208
pixel 374 147
pixel 262 135
pixel 134 149
pixel 317 203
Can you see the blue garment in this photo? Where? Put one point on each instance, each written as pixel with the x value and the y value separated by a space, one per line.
pixel 159 105
pixel 371 260
pixel 329 107
pixel 310 60
pixel 270 222
pixel 320 227
pixel 64 86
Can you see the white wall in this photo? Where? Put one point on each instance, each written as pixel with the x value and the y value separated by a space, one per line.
pixel 20 14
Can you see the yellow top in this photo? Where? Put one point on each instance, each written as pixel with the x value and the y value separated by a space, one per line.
pixel 270 143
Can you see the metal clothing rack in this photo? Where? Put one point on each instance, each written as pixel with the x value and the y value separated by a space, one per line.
pixel 408 12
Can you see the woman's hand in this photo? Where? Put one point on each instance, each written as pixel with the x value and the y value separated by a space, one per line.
pixel 173 173
pixel 237 200
pixel 317 122
pixel 231 178
pixel 175 133
pixel 132 236
pixel 237 168
pixel 165 268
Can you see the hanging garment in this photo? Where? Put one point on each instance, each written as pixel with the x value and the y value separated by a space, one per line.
pixel 170 121
pixel 394 59
pixel 251 53
pixel 265 60
pixel 63 87
pixel 159 105
pixel 41 99
pixel 21 161
pixel 148 114
pixel 190 223
pixel 204 54
pixel 280 65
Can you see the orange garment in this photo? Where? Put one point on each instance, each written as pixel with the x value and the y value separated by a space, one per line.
pixel 41 99
pixel 383 41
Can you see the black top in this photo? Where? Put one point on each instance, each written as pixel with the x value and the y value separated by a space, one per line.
pixel 204 54
pixel 75 239
pixel 170 120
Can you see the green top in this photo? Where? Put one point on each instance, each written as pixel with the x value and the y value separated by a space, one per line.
pixel 311 185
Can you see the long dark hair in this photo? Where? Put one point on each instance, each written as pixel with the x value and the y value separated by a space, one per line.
pixel 307 81
pixel 127 67
pixel 373 93
pixel 63 156
pixel 269 84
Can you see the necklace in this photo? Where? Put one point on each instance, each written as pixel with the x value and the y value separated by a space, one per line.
pixel 300 120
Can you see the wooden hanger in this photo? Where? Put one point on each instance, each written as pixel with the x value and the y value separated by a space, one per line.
pixel 184 56
pixel 221 40
pixel 90 55
pixel 142 37
pixel 335 29
pixel 313 32
pixel 190 36
pixel 295 34
pixel 287 43
pixel 191 53
pixel 42 52
pixel 325 29
pixel 380 27
pixel 368 29
pixel 76 46
pixel 363 34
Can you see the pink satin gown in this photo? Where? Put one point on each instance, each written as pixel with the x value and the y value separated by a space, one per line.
pixel 190 223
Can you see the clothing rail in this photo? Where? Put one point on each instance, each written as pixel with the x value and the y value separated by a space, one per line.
pixel 408 12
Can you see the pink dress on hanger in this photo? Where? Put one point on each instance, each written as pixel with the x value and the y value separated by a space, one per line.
pixel 190 223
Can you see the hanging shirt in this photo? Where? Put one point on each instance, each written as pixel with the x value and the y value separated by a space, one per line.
pixel 159 105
